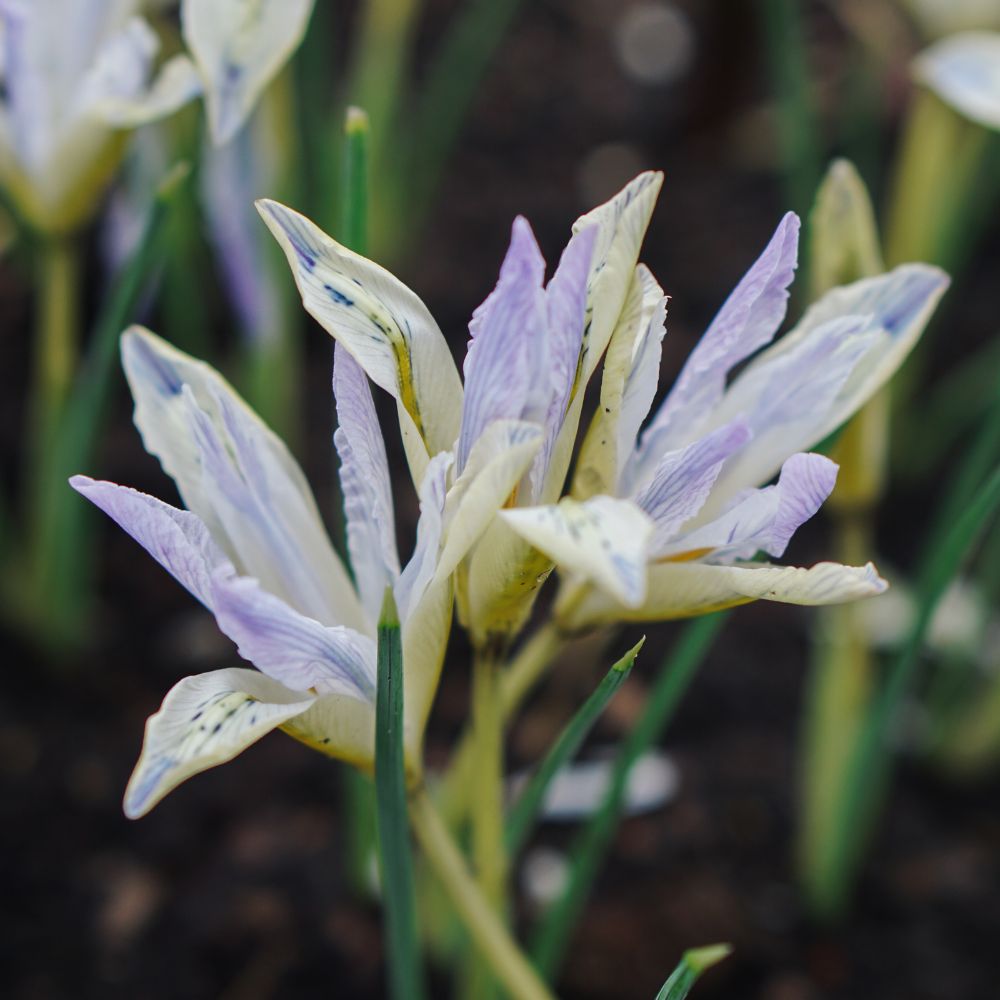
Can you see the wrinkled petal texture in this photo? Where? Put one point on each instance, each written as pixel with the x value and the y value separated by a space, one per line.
pixel 365 483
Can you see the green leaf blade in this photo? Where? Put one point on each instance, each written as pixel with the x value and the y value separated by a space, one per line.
pixel 692 964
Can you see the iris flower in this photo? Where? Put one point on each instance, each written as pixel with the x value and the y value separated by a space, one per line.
pixel 665 522
pixel 662 524
pixel 964 71
pixel 78 74
pixel 252 548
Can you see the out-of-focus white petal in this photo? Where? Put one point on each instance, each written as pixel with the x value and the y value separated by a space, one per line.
pixel 365 483
pixel 628 385
pixel 238 477
pixel 603 540
pixel 384 325
pixel 239 46
pixel 682 590
pixel 964 71
pixel 205 721
pixel 116 89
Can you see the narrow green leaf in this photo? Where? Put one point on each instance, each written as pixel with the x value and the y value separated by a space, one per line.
pixel 552 936
pixel 396 861
pixel 354 207
pixel 524 813
pixel 692 964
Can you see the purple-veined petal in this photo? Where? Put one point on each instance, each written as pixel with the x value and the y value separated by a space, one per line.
pixel 566 313
pixel 602 540
pixel 620 226
pixel 842 351
pixel 177 539
pixel 504 367
pixel 385 327
pixel 746 322
pixel 420 569
pixel 964 71
pixel 763 520
pixel 296 650
pixel 239 47
pixel 628 385
pixel 365 483
pixel 239 478
pixel 204 721
pixel 683 480
pixel 682 590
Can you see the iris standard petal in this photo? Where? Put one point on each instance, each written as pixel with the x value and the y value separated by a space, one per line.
pixel 239 47
pixel 628 385
pixel 682 590
pixel 206 720
pixel 964 71
pixel 747 321
pixel 296 650
pixel 602 540
pixel 385 327
pixel 842 351
pixel 177 539
pixel 683 480
pixel 763 520
pixel 365 483
pixel 504 365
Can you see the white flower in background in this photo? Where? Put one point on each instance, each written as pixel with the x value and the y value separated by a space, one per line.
pixel 945 17
pixel 252 548
pixel 71 67
pixel 964 71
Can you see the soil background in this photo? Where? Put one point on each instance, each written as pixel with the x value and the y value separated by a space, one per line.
pixel 233 886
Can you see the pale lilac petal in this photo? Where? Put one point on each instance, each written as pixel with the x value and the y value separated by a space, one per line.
pixel 747 321
pixel 683 480
pixel 177 539
pixel 419 571
pixel 503 365
pixel 365 483
pixel 204 721
pixel 239 478
pixel 296 650
pixel 766 519
pixel 566 308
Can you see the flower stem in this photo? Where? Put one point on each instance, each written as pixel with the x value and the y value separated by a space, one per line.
pixel 488 851
pixel 485 927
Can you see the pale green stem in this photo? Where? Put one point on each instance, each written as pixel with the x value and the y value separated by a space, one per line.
pixel 488 850
pixel 486 929
pixel 519 677
pixel 56 352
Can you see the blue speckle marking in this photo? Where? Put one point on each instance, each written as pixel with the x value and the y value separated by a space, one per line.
pixel 339 297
